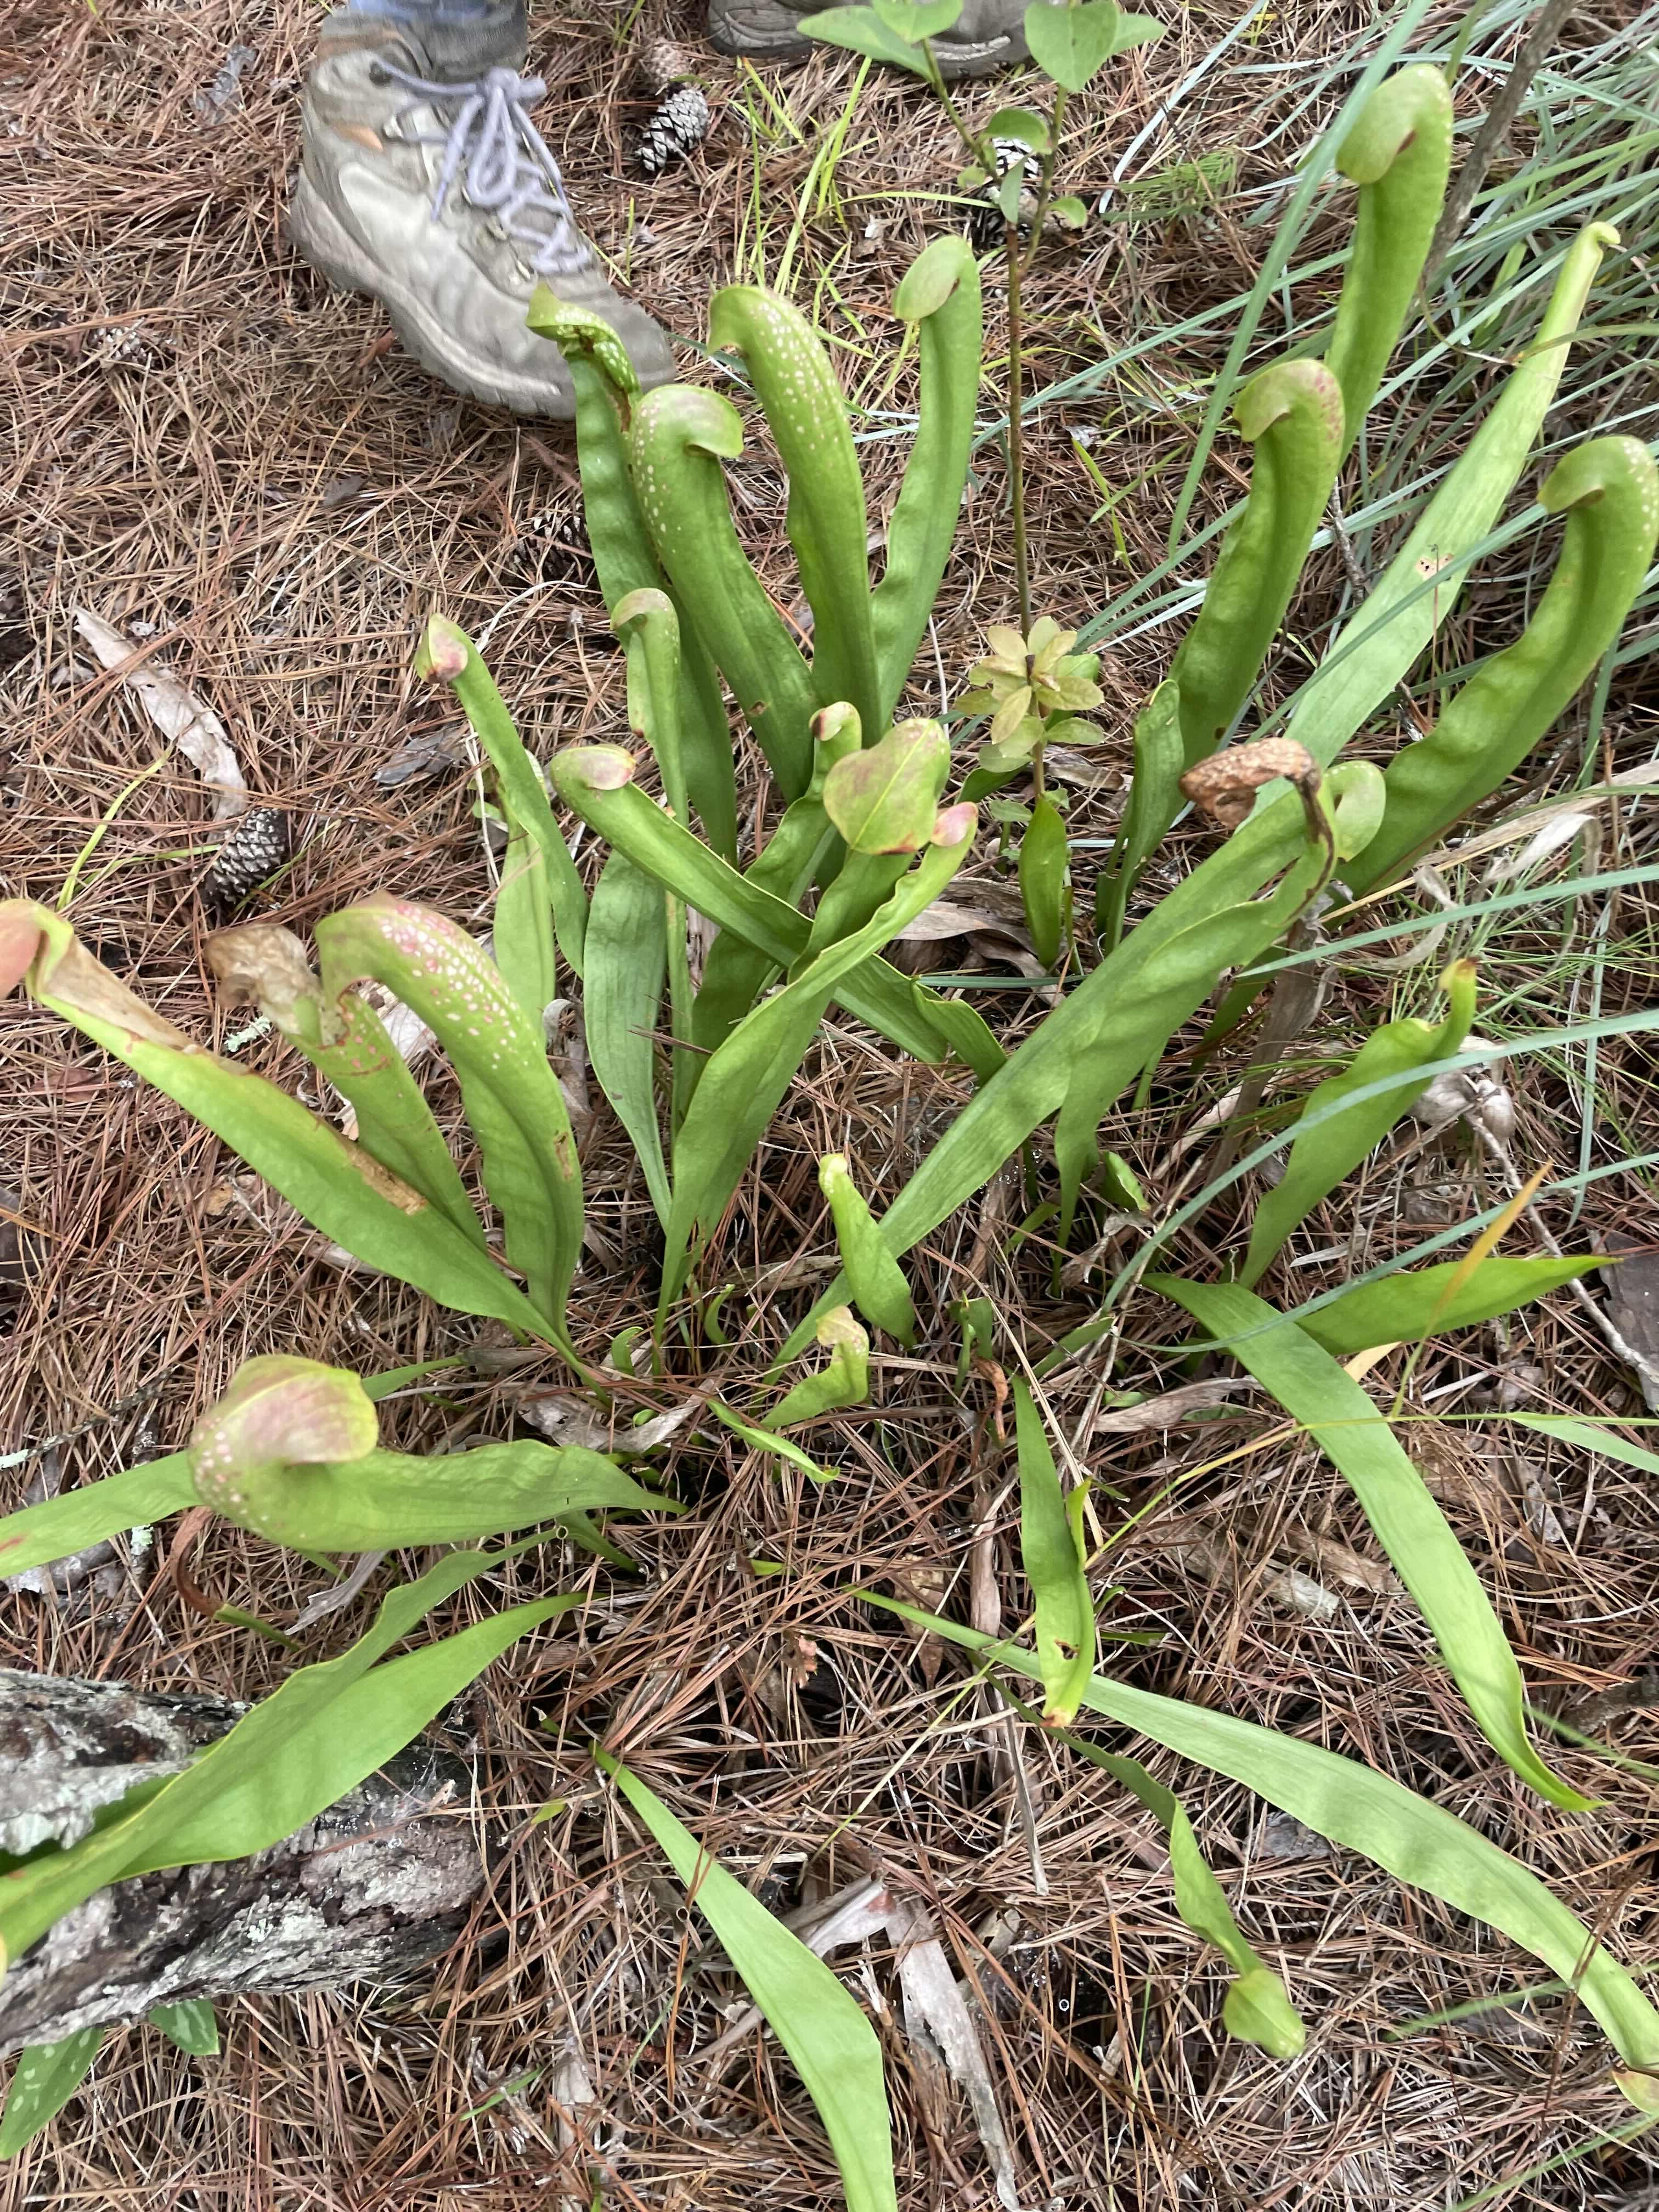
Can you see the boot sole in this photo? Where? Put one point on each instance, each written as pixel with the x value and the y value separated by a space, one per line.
pixel 954 64
pixel 322 239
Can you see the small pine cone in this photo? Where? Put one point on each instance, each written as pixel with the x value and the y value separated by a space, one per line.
pixel 985 224
pixel 250 855
pixel 664 64
pixel 677 128
pixel 554 543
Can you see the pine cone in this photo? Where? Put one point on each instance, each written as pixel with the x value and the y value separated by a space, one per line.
pixel 985 224
pixel 250 856
pixel 553 544
pixel 677 128
pixel 664 62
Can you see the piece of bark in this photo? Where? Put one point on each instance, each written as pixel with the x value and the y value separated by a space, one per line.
pixel 368 1890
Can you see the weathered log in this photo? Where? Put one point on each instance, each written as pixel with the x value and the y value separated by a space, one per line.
pixel 379 1883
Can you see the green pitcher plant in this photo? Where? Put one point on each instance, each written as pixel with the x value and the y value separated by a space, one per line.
pixel 864 834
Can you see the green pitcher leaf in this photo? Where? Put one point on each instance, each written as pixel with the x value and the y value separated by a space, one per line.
pixel 825 518
pixel 513 1101
pixel 292 1451
pixel 1398 151
pixel 1340 1418
pixel 340 1189
pixel 940 294
pixel 743 1084
pixel 1105 1032
pixel 883 799
pixel 449 654
pixel 621 995
pixel 1257 2007
pixel 843 1381
pixel 830 2044
pixel 1331 1140
pixel 1291 414
pixel 262 965
pixel 768 1441
pixel 46 2076
pixel 1423 581
pixel 521 930
pixel 1053 1560
pixel 595 782
pixel 879 1290
pixel 679 437
pixel 624 560
pixel 76 1519
pixel 1608 491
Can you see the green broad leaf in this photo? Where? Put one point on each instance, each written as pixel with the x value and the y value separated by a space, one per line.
pixel 1044 854
pixel 1074 44
pixel 621 999
pixel 768 1441
pixel 1339 1417
pixel 448 653
pixel 1011 189
pixel 883 799
pixel 340 1189
pixel 831 2044
pixel 844 1381
pixel 192 2023
pixel 1257 2007
pixel 1407 1307
pixel 861 31
pixel 913 20
pixel 58 1527
pixel 879 1290
pixel 1332 1139
pixel 46 2076
pixel 513 1098
pixel 1073 214
pixel 1373 1815
pixel 293 1756
pixel 1024 124
pixel 1136 31
pixel 1052 1557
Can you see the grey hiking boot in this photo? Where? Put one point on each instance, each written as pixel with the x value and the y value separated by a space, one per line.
pixel 987 35
pixel 425 183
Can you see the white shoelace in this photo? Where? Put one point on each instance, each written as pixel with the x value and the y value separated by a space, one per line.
pixel 503 162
